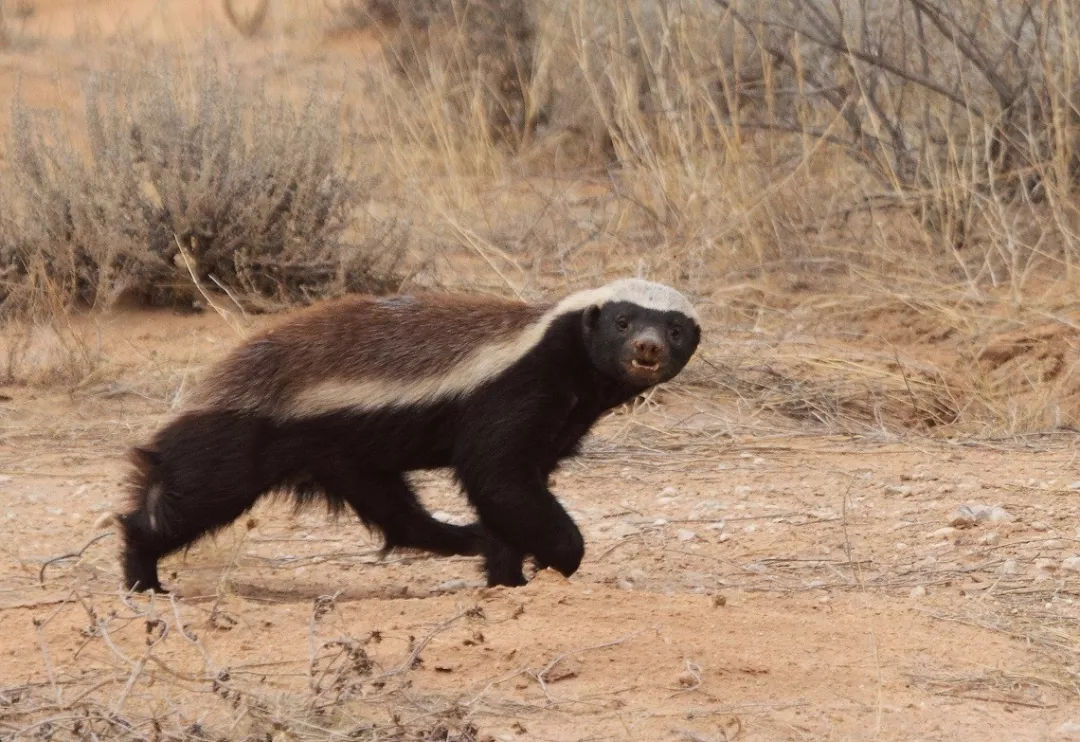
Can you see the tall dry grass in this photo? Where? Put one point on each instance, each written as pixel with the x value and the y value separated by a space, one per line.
pixel 798 163
pixel 855 166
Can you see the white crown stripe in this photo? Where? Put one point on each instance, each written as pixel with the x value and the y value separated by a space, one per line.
pixel 479 366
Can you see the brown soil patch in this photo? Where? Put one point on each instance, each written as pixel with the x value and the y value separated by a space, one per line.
pixel 736 587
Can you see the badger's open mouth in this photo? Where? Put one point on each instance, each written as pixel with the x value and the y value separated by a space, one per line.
pixel 653 367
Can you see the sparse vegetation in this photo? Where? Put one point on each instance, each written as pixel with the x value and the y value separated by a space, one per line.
pixel 874 203
pixel 169 164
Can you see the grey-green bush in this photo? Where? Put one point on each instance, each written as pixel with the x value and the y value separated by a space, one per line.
pixel 260 192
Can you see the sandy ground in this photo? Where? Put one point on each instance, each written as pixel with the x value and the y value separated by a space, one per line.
pixel 736 586
pixel 746 578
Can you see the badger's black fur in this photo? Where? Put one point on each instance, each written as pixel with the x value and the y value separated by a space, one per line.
pixel 341 401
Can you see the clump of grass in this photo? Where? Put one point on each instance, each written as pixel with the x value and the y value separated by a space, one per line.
pixel 175 173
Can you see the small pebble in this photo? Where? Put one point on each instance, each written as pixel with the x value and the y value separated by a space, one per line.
pixel 902 490
pixel 1045 565
pixel 688 680
pixel 685 534
pixel 917 592
pixel 1039 526
pixel 1010 567
pixel 742 490
pixel 1071 564
pixel 1068 730
pixel 990 538
pixel 450 586
pixel 1074 485
pixel 945 532
pixel 968 515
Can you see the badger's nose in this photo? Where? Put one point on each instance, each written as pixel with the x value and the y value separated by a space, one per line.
pixel 647 350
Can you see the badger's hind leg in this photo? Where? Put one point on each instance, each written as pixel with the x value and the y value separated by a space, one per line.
pixel 201 473
pixel 387 502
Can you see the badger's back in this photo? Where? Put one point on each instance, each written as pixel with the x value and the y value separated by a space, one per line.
pixel 367 352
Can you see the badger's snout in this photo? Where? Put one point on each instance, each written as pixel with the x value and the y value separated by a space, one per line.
pixel 648 352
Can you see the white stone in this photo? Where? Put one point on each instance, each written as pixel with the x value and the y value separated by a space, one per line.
pixel 451 585
pixel 969 515
pixel 901 490
pixel 990 538
pixel 1010 567
pixel 1068 730
pixel 1072 564
pixel 917 592
pixel 685 534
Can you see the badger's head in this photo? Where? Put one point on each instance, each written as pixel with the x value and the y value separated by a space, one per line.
pixel 640 333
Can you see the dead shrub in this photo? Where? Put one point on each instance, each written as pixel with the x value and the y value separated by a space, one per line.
pixel 260 191
pixel 478 55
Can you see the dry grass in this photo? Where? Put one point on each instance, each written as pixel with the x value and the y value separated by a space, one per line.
pixel 261 191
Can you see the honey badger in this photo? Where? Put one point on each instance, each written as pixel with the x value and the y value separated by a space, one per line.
pixel 342 400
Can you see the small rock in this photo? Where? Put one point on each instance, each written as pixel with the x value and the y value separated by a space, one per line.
pixel 902 490
pixel 4 479
pixel 660 522
pixel 1039 526
pixel 917 592
pixel 719 601
pixel 669 492
pixel 689 680
pixel 966 516
pixel 1074 485
pixel 624 585
pixel 945 532
pixel 1010 567
pixel 451 586
pixel 1068 730
pixel 1045 565
pixel 990 538
pixel 685 534
pixel 742 490
pixel 1071 564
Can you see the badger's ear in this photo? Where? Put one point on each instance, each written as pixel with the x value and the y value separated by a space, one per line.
pixel 590 318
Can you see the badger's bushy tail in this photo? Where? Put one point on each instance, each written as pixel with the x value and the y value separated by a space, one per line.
pixel 140 524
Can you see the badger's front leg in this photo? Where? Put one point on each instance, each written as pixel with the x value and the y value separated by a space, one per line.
pixel 503 464
pixel 522 514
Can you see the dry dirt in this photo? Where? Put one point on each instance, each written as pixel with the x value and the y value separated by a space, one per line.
pixel 737 585
pixel 747 577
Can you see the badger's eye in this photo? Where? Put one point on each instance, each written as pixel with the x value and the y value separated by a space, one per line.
pixel 675 332
pixel 623 324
